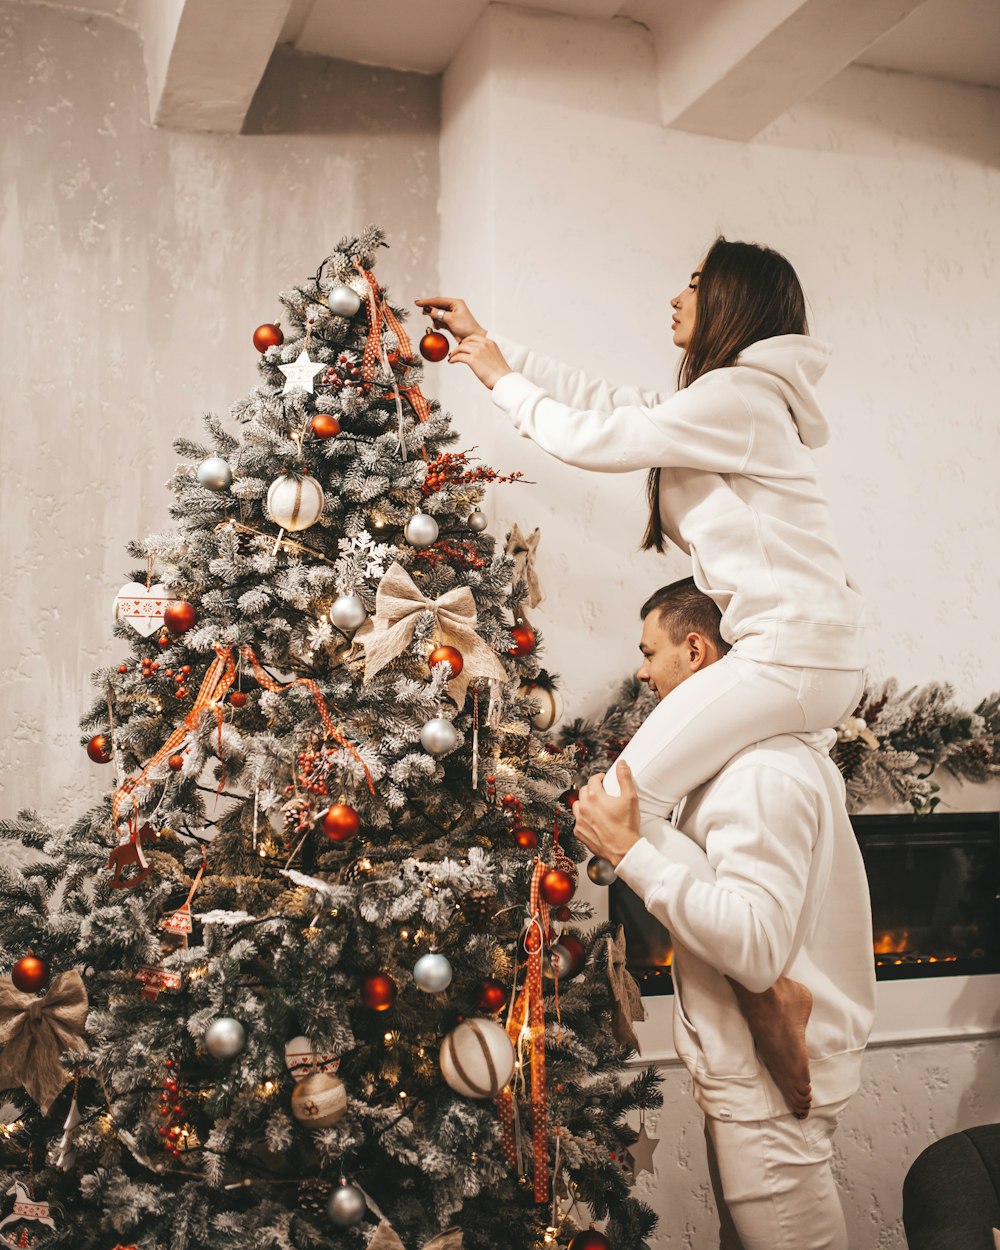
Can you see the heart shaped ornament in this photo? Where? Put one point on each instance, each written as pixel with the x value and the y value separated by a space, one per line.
pixel 142 606
pixel 302 1059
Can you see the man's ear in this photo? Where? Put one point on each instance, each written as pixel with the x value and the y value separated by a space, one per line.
pixel 701 652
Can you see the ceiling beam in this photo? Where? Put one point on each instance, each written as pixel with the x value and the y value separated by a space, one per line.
pixel 728 68
pixel 205 58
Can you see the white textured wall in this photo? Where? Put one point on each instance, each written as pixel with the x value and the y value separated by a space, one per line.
pixel 569 217
pixel 136 264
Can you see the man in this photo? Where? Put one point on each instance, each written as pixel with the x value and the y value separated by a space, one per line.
pixel 760 881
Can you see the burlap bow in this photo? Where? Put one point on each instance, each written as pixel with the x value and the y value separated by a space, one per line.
pixel 35 1032
pixel 625 992
pixel 523 551
pixel 398 604
pixel 386 1238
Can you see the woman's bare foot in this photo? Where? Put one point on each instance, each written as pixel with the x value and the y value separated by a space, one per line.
pixel 777 1020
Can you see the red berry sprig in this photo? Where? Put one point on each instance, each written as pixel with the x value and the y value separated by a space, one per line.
pixel 171 1110
pixel 452 468
pixel 461 554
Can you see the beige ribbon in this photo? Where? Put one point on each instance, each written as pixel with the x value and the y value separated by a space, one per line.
pixel 625 992
pixel 36 1032
pixel 398 604
pixel 386 1238
pixel 523 551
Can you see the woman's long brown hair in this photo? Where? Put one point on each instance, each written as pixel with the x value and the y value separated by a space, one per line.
pixel 745 293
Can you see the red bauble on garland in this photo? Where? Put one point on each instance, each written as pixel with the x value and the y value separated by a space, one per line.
pixel 237 698
pixel 526 838
pixel 341 823
pixel 378 992
pixel 590 1239
pixel 576 949
pixel 563 914
pixel 175 763
pixel 524 640
pixel 179 616
pixel 490 995
pixel 434 346
pixel 268 335
pixel 447 655
pixel 30 974
pixel 99 749
pixel 325 425
pixel 556 887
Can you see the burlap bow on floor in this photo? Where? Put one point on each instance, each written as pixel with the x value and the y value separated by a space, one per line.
pixel 36 1032
pixel 398 604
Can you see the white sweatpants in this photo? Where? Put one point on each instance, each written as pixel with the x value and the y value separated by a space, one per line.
pixel 720 711
pixel 773 1183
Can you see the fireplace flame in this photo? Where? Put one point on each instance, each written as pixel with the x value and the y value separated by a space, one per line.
pixel 892 941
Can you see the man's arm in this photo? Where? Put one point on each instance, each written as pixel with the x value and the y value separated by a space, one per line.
pixel 761 824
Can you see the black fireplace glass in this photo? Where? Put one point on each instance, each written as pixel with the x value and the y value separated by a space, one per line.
pixel 935 888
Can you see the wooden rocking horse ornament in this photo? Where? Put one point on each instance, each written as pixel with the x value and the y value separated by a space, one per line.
pixel 131 853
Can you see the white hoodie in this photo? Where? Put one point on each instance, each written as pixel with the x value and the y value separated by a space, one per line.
pixel 763 876
pixel 738 488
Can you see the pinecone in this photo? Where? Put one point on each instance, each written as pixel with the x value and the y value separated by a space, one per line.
pixel 313 1197
pixel 848 756
pixel 478 906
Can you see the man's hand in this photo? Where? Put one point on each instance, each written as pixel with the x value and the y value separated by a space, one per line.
pixel 607 825
pixel 483 357
pixel 452 315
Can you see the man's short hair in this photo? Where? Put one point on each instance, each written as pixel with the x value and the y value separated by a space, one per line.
pixel 683 609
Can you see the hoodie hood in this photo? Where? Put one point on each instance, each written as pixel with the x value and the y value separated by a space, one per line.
pixel 795 363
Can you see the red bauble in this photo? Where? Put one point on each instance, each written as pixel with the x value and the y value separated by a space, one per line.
pixel 525 838
pixel 491 996
pixel 267 335
pixel 577 951
pixel 449 655
pixel 556 887
pixel 179 615
pixel 341 823
pixel 99 749
pixel 30 974
pixel 524 640
pixel 164 640
pixel 590 1239
pixel 176 763
pixel 569 798
pixel 434 346
pixel 378 992
pixel 325 425
pixel 238 698
pixel 563 914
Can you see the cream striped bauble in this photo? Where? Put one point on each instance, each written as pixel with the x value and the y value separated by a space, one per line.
pixel 477 1059
pixel 294 503
pixel 319 1100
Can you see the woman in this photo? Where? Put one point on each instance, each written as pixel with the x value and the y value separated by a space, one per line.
pixel 731 482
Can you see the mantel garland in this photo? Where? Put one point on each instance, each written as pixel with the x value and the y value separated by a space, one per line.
pixel 888 751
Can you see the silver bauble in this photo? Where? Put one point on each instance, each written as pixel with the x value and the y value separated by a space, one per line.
pixel 421 530
pixel 432 973
pixel 347 1205
pixel 477 521
pixel 343 301
pixel 600 871
pixel 215 473
pixel 439 736
pixel 225 1037
pixel 348 613
pixel 557 960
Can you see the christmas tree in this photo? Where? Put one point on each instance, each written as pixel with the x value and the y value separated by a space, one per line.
pixel 313 974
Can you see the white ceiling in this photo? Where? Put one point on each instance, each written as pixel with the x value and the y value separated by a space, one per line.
pixel 716 59
pixel 955 39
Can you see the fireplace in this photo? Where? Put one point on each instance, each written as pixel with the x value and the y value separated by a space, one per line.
pixel 935 887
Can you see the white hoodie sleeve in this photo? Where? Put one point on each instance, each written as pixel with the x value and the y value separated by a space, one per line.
pixel 708 426
pixel 573 386
pixel 762 825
